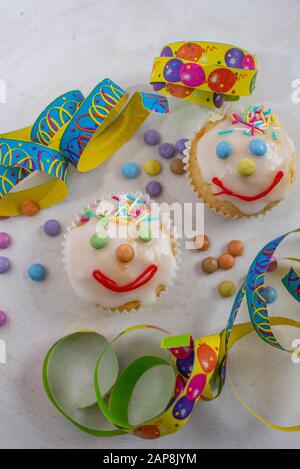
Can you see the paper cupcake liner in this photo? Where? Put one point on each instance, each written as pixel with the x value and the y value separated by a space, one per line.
pixel 173 235
pixel 214 117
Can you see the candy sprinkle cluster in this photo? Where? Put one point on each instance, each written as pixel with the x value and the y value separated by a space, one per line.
pixel 257 119
pixel 123 209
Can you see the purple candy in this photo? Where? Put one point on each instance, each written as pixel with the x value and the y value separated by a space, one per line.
pixel 180 145
pixel 52 228
pixel 166 150
pixel 151 137
pixel 4 265
pixel 3 318
pixel 5 240
pixel 153 188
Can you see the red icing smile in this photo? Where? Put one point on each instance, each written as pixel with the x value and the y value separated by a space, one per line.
pixel 247 198
pixel 140 281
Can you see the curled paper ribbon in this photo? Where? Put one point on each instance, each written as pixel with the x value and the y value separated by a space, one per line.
pixel 85 132
pixel 199 367
pixel 291 281
pixel 206 73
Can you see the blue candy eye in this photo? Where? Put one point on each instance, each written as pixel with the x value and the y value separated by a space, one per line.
pixel 258 147
pixel 223 150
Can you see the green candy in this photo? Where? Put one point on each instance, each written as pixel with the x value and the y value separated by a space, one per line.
pixel 99 240
pixel 145 234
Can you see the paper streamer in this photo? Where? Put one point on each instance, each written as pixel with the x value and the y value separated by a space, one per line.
pixel 291 281
pixel 206 73
pixel 84 132
pixel 199 365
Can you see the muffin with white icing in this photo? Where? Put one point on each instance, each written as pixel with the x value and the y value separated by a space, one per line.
pixel 242 164
pixel 121 253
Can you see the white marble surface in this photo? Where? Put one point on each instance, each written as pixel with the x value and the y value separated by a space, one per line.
pixel 52 46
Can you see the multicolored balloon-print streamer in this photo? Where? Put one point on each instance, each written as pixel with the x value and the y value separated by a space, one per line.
pixel 205 73
pixel 199 365
pixel 74 130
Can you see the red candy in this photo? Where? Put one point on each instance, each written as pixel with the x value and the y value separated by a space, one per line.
pixel 207 358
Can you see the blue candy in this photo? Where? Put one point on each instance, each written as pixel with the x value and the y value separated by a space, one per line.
pixel 270 295
pixel 258 147
pixel 130 170
pixel 223 150
pixel 37 272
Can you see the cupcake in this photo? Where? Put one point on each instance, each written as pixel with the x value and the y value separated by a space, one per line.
pixel 121 253
pixel 241 164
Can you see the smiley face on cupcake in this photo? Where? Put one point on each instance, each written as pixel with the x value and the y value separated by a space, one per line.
pixel 120 254
pixel 242 164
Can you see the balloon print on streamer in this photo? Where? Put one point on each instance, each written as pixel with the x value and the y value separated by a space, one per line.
pixel 172 69
pixel 190 51
pixel 234 58
pixel 192 75
pixel 221 80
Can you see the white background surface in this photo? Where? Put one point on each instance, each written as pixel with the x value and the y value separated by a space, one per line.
pixel 48 47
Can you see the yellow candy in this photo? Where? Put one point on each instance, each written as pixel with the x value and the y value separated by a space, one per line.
pixel 246 167
pixel 152 167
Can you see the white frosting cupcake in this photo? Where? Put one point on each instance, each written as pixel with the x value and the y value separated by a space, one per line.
pixel 120 253
pixel 242 164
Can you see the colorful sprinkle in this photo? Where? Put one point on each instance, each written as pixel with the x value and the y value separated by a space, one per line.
pixel 256 119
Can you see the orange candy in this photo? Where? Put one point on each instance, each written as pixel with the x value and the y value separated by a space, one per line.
pixel 30 208
pixel 236 248
pixel 125 253
pixel 226 261
pixel 202 242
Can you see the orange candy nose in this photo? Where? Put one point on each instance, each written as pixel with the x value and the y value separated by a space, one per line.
pixel 125 253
